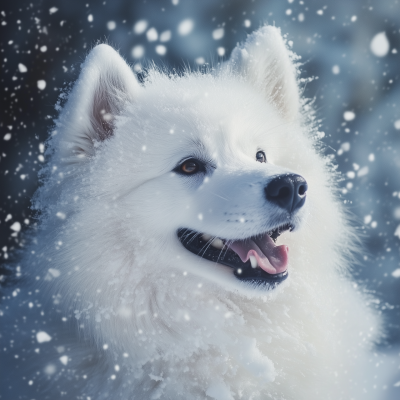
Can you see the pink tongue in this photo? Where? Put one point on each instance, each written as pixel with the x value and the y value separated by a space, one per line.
pixel 271 258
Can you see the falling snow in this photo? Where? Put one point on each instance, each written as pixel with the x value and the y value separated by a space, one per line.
pixel 22 68
pixel 218 33
pixel 140 27
pixel 185 27
pixel 353 49
pixel 349 115
pixel 380 44
pixel 41 84
pixel 43 337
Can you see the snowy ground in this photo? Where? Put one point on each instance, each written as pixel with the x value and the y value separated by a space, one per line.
pixel 352 47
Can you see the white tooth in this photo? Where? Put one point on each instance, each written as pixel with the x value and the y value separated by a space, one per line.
pixel 217 243
pixel 253 262
pixel 206 237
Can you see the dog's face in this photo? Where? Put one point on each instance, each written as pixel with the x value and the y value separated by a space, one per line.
pixel 198 173
pixel 211 180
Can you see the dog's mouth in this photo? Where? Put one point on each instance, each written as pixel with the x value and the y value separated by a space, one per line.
pixel 256 259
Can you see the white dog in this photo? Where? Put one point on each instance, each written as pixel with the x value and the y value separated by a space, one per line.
pixel 190 243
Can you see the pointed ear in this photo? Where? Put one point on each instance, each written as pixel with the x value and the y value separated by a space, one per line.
pixel 265 61
pixel 104 86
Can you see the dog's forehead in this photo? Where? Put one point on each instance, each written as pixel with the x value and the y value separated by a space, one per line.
pixel 203 112
pixel 206 98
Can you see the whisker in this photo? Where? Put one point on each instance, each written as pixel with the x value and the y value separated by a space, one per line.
pixel 206 246
pixel 193 237
pixel 215 194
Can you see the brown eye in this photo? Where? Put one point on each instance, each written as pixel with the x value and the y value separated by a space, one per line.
pixel 189 167
pixel 261 157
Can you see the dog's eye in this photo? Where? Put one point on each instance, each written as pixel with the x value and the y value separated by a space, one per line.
pixel 260 157
pixel 190 167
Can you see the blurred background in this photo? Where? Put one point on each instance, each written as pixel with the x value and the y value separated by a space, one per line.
pixel 352 48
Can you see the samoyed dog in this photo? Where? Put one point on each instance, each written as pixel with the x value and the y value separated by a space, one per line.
pixel 190 243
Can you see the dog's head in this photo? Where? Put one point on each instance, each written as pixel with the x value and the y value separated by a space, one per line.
pixel 201 172
pixel 170 208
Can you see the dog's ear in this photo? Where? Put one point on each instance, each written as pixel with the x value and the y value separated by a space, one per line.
pixel 266 62
pixel 105 84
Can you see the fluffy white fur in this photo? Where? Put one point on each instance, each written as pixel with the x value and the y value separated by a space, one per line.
pixel 130 312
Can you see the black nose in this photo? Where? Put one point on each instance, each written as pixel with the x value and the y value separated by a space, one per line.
pixel 287 191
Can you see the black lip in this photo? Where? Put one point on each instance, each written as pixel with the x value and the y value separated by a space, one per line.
pixel 194 242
